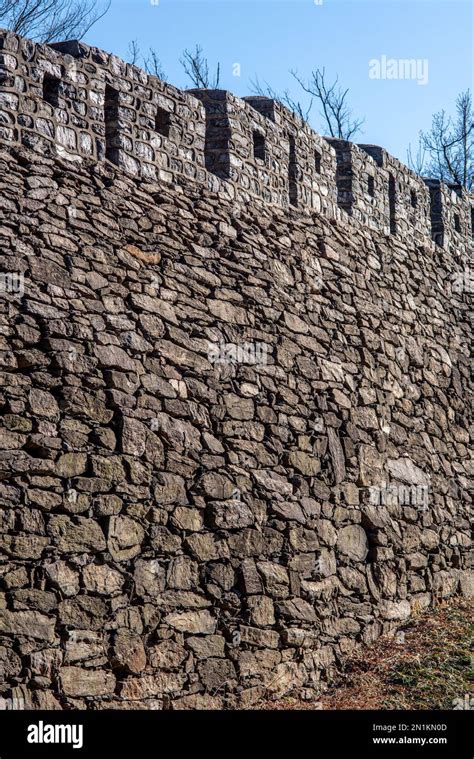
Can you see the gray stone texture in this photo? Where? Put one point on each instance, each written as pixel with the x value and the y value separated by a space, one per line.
pixel 179 532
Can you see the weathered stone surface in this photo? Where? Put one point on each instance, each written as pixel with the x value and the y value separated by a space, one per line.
pixel 190 520
pixel 297 608
pixel 262 611
pixel 192 622
pixel 159 684
pixel 83 613
pixel 81 535
pixel 230 515
pixel 168 654
pixel 77 682
pixel 395 610
pixel 113 357
pixel 63 577
pixel 304 463
pixel 149 577
pixel 404 470
pixel 23 546
pixel 286 677
pixel 129 652
pixel 234 441
pixel 210 646
pixel 133 437
pixel 216 673
pixel 254 636
pixel 71 464
pixel 102 579
pixel 183 573
pixel 467 584
pixel 27 624
pixel 124 537
pixel 352 542
pixel 337 456
pixel 43 404
pixel 10 664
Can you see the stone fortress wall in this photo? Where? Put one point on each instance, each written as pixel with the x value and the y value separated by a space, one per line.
pixel 234 436
pixel 79 101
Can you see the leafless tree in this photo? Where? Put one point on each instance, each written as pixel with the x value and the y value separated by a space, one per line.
pixel 295 106
pixel 448 147
pixel 417 161
pixel 50 20
pixel 134 53
pixel 333 99
pixel 196 68
pixel 151 63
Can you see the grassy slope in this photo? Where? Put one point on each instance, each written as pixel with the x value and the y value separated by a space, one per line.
pixel 426 668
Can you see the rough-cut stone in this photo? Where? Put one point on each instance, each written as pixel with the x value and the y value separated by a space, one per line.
pixel 10 663
pixel 63 577
pixel 262 611
pixel 210 646
pixel 168 654
pixel 395 610
pixel 102 579
pixel 159 684
pixel 83 612
pixel 192 622
pixel 230 515
pixel 467 584
pixel 304 463
pixel 149 577
pixel 129 652
pixel 216 673
pixel 77 682
pixel 404 470
pixel 27 624
pixel 352 542
pixel 81 535
pixel 124 537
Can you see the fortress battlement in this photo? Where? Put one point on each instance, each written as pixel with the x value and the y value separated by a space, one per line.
pixel 79 102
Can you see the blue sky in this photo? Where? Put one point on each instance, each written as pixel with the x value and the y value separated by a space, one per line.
pixel 268 37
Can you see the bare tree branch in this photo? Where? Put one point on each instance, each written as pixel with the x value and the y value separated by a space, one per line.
pixel 153 65
pixel 295 106
pixel 449 144
pixel 196 68
pixel 417 162
pixel 133 53
pixel 336 113
pixel 51 20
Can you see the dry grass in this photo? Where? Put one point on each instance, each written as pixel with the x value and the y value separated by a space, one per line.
pixel 428 669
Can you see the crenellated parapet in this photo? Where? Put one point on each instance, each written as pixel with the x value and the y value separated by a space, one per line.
pixel 310 162
pixel 361 189
pixel 452 214
pixel 78 102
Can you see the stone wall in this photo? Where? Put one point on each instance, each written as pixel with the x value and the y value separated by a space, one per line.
pixel 234 441
pixel 235 435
